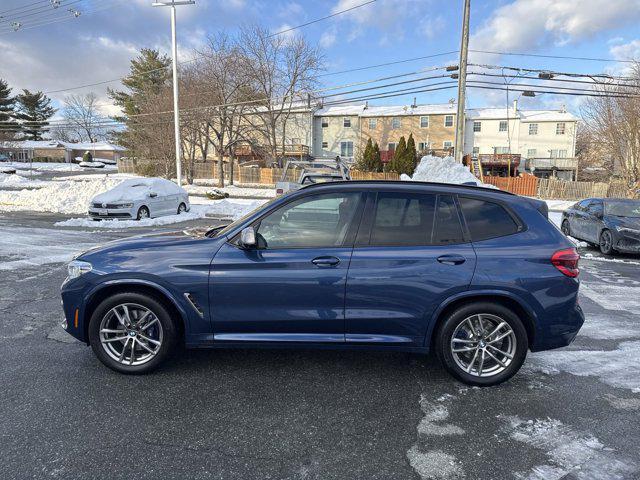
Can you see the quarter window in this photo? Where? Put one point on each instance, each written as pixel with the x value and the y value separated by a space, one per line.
pixel 486 219
pixel 310 222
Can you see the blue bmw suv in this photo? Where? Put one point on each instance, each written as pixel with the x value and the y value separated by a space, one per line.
pixel 477 275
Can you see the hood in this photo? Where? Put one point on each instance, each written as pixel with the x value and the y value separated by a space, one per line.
pixel 118 194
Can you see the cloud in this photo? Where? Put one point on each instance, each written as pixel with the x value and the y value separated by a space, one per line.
pixel 626 51
pixel 329 38
pixel 533 24
pixel 431 27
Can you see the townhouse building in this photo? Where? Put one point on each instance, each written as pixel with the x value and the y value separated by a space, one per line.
pixel 336 131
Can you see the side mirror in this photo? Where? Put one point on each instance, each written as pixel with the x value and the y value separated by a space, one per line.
pixel 248 238
pixel 153 194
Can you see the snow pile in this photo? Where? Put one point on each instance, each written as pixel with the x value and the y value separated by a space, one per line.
pixel 43 166
pixel 11 180
pixel 441 170
pixel 233 209
pixel 56 197
pixel 91 164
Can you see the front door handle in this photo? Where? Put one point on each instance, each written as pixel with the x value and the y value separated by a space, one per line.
pixel 451 259
pixel 325 262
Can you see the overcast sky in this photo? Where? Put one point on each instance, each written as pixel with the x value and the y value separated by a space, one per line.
pixel 97 45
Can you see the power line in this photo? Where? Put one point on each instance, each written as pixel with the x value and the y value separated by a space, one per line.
pixel 519 54
pixel 322 18
pixel 587 93
pixel 25 7
pixel 388 63
pixel 586 82
pixel 45 11
pixel 554 72
pixel 631 95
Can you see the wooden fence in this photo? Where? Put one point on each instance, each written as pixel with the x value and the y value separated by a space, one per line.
pixel 554 188
pixel 525 185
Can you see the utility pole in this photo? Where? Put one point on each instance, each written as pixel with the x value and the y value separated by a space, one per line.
pixel 174 64
pixel 462 82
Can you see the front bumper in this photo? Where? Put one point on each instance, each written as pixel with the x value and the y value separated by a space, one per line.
pixel 73 304
pixel 98 213
pixel 628 242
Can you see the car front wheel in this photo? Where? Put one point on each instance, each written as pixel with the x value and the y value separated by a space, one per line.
pixel 606 242
pixel 482 344
pixel 182 208
pixel 131 332
pixel 566 229
pixel 143 212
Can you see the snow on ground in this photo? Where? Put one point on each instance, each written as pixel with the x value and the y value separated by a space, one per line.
pixel 232 209
pixel 16 180
pixel 43 166
pixel 442 170
pixel 31 247
pixel 560 205
pixel 56 197
pixel 233 191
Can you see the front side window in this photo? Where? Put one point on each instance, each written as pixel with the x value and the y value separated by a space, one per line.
pixel 373 123
pixel 448 121
pixel 395 123
pixel 477 126
pixel 486 219
pixel 346 122
pixel 346 149
pixel 502 127
pixel 533 129
pixel 424 122
pixel 310 222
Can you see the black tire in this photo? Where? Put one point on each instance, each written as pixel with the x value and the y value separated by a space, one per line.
pixel 157 307
pixel 182 208
pixel 444 336
pixel 566 228
pixel 143 212
pixel 606 242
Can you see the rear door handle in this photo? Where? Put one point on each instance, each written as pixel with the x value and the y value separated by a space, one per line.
pixel 325 262
pixel 451 259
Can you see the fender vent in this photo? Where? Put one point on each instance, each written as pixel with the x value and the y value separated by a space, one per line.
pixel 194 304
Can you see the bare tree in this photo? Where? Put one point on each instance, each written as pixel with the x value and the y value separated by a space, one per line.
pixel 282 70
pixel 84 119
pixel 612 122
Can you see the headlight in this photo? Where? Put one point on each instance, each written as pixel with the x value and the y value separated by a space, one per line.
pixel 77 268
pixel 124 205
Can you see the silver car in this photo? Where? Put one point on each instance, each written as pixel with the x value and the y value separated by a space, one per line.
pixel 139 198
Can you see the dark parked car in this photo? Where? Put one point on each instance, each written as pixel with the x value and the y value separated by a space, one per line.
pixel 612 224
pixel 479 276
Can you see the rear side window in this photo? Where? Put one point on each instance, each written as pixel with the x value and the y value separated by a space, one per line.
pixel 403 219
pixel 448 229
pixel 486 219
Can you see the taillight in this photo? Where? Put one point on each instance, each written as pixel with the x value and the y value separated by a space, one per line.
pixel 567 261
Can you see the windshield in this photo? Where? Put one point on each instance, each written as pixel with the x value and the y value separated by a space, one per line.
pixel 237 222
pixel 623 209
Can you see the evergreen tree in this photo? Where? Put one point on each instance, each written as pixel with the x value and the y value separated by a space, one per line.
pixel 149 74
pixel 410 156
pixel 8 126
pixel 395 165
pixel 33 112
pixel 376 159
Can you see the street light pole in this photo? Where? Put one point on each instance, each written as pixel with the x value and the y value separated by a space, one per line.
pixel 462 82
pixel 174 65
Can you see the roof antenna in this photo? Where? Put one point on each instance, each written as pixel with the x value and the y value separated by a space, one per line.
pixel 414 105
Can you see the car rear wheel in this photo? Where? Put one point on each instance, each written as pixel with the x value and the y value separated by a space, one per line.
pixel 566 229
pixel 132 333
pixel 143 212
pixel 606 242
pixel 182 208
pixel 482 344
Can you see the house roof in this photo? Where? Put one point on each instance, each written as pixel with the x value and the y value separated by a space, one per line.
pixel 51 144
pixel 340 110
pixel 403 110
pixel 522 115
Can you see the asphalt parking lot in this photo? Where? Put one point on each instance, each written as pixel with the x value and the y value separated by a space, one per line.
pixel 572 413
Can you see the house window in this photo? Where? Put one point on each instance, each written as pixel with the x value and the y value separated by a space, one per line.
pixel 448 120
pixel 553 153
pixel 477 126
pixel 346 149
pixel 533 129
pixel 475 151
pixel 422 146
pixel 424 122
pixel 325 123
pixel 500 150
pixel 325 145
pixel 392 146
pixel 395 123
pixel 448 144
pixel 502 127
pixel 531 153
pixel 560 128
pixel 562 154
pixel 373 123
pixel 346 122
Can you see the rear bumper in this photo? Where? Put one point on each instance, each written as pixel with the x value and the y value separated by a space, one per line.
pixel 561 332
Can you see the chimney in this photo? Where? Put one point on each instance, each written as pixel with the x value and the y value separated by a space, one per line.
pixel 515 106
pixel 414 104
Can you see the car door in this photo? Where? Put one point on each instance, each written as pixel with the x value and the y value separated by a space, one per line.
pixel 292 287
pixel 410 255
pixel 592 221
pixel 578 220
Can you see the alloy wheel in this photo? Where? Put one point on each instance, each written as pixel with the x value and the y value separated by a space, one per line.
pixel 483 345
pixel 605 241
pixel 143 213
pixel 565 228
pixel 131 334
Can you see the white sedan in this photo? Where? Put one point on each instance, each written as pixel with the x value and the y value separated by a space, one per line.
pixel 140 198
